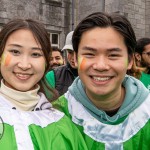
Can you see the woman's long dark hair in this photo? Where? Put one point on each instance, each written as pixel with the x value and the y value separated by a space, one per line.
pixel 41 36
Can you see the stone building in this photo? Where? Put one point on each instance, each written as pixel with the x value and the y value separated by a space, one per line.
pixel 62 16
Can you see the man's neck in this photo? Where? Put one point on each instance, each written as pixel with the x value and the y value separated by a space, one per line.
pixel 109 103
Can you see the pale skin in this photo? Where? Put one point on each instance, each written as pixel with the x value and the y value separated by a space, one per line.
pixel 22 62
pixel 102 65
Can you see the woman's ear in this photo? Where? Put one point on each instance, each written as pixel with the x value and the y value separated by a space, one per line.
pixel 130 61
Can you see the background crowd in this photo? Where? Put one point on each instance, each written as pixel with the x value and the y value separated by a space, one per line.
pixel 93 94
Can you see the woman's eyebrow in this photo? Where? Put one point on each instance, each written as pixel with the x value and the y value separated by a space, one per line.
pixel 33 48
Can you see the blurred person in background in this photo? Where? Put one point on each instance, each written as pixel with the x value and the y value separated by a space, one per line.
pixel 62 77
pixel 142 59
pixel 56 58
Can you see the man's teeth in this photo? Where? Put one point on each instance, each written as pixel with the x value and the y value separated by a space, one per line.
pixel 101 78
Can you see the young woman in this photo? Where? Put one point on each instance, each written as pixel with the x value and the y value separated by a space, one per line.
pixel 29 120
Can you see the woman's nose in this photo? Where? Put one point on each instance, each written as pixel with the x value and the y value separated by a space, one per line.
pixel 24 64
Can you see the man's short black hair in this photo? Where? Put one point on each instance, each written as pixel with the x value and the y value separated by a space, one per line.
pixel 141 43
pixel 54 48
pixel 104 20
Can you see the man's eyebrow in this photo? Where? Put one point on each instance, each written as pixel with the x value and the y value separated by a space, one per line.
pixel 94 49
pixel 114 49
pixel 89 48
pixel 19 46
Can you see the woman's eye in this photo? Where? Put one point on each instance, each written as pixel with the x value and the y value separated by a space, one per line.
pixel 15 52
pixel 36 55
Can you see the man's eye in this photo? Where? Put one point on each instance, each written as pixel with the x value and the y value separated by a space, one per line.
pixel 88 55
pixel 148 53
pixel 51 58
pixel 114 55
pixel 57 58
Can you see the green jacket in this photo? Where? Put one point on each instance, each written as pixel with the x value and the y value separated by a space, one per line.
pixel 129 132
pixel 46 129
pixel 145 79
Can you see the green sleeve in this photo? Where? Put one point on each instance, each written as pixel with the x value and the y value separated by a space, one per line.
pixel 50 77
pixel 62 104
pixel 71 136
pixel 61 135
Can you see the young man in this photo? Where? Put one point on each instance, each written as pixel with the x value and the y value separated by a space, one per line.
pixel 62 77
pixel 142 57
pixel 110 108
pixel 142 53
pixel 56 58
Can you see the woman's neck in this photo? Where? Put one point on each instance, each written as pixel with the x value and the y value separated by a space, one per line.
pixel 25 101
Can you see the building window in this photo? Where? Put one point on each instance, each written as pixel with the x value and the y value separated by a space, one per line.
pixel 54 38
pixel 57 1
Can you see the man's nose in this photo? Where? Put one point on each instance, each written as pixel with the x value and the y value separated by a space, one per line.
pixel 101 63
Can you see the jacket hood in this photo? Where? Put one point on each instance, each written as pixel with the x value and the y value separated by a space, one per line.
pixel 43 103
pixel 136 93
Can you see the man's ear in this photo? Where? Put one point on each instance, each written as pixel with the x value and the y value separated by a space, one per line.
pixel 137 57
pixel 75 59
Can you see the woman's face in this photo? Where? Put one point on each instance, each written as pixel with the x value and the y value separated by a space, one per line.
pixel 22 62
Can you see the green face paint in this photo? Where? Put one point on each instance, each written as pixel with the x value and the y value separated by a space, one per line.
pixel 126 63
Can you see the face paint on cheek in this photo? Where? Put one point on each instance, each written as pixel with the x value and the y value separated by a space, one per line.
pixel 81 63
pixel 6 58
pixel 61 62
pixel 126 63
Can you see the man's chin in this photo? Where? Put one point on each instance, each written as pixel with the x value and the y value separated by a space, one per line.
pixel 55 66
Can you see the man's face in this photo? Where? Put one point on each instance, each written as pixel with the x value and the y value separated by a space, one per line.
pixel 71 58
pixel 146 56
pixel 102 62
pixel 56 59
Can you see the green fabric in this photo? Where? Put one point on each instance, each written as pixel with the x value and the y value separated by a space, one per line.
pixel 135 94
pixel 139 141
pixel 62 105
pixel 91 144
pixel 51 78
pixel 8 141
pixel 61 135
pixel 145 79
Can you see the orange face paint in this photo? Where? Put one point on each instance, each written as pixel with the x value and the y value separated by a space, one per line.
pixel 6 58
pixel 81 62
